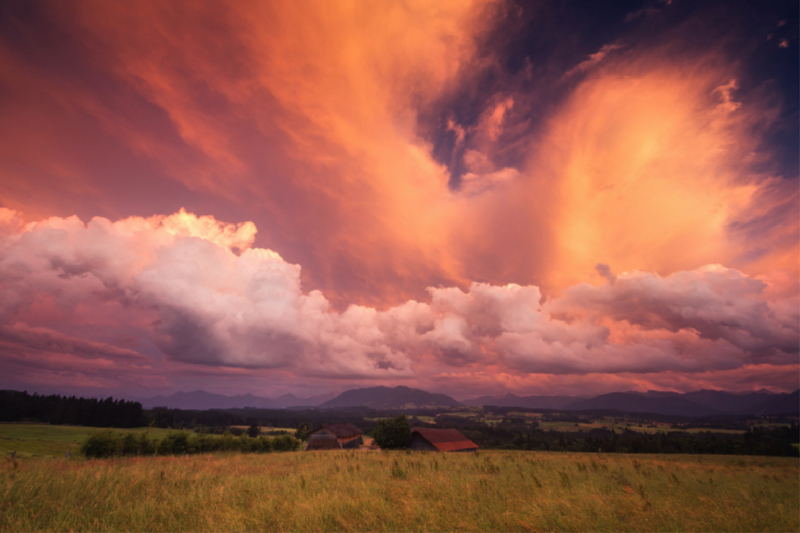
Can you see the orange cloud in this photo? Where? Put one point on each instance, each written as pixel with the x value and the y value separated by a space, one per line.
pixel 306 117
pixel 334 88
pixel 654 162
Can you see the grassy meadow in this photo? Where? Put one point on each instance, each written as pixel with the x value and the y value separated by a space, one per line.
pixel 402 491
pixel 267 430
pixel 620 427
pixel 43 440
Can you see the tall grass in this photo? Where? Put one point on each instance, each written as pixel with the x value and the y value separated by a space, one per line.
pixel 399 491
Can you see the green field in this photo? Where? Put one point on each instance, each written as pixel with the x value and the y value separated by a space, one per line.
pixel 399 491
pixel 42 440
pixel 265 429
pixel 619 428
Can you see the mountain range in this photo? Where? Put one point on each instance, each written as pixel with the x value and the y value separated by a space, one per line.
pixel 531 402
pixel 696 404
pixel 201 400
pixel 391 398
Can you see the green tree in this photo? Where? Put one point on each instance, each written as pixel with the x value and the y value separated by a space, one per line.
pixel 254 431
pixel 392 434
pixel 174 443
pixel 302 431
pixel 130 445
pixel 285 443
pixel 101 444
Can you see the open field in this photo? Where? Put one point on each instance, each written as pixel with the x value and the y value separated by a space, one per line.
pixel 601 423
pixel 37 448
pixel 398 491
pixel 619 428
pixel 290 431
pixel 43 440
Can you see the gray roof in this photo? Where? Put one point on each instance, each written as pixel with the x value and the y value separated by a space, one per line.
pixel 323 444
pixel 340 430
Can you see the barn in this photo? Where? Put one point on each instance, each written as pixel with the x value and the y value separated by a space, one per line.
pixel 323 442
pixel 346 435
pixel 441 440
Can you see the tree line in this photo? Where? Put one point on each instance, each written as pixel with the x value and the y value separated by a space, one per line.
pixel 217 420
pixel 756 441
pixel 396 433
pixel 114 444
pixel 510 433
pixel 18 406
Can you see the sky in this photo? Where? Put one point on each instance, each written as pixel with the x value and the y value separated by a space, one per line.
pixel 468 197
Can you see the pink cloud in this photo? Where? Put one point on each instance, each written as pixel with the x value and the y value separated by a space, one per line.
pixel 306 119
pixel 215 308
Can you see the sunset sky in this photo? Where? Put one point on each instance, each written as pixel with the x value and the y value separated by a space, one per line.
pixel 546 197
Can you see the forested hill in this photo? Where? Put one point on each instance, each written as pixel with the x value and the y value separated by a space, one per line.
pixel 389 398
pixel 18 406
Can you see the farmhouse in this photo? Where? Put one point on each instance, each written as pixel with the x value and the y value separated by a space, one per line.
pixel 442 440
pixel 323 442
pixel 346 436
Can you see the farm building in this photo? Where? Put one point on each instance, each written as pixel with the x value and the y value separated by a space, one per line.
pixel 346 435
pixel 441 440
pixel 323 442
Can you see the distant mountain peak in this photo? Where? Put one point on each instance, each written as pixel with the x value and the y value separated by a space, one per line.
pixel 698 403
pixel 383 397
pixel 203 400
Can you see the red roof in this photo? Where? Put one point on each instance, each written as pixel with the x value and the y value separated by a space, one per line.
pixel 340 430
pixel 446 440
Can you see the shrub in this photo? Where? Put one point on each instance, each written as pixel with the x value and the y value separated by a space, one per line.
pixel 261 445
pixel 146 446
pixel 129 445
pixel 285 443
pixel 174 443
pixel 108 444
pixel 101 444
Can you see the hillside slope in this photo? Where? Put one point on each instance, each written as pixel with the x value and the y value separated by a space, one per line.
pixel 390 398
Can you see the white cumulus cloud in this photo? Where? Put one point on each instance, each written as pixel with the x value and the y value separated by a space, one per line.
pixel 205 295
